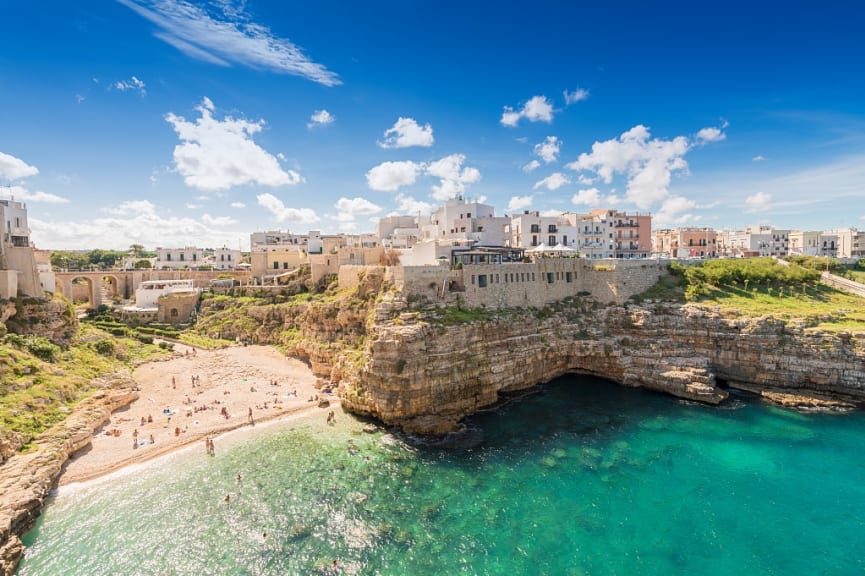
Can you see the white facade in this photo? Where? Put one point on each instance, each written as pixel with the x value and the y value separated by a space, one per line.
pixel 398 231
pixel 530 229
pixel 16 254
pixel 804 243
pixel 276 238
pixel 461 220
pixel 226 258
pixel 147 294
pixel 851 243
pixel 176 258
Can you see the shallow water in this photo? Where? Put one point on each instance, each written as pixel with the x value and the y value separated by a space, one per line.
pixel 583 478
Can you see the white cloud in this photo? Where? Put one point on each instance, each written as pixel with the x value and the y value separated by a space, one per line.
pixel 14 168
pixel 350 208
pixel 588 196
pixel 648 164
pixel 548 150
pixel 408 205
pixel 454 177
pixel 79 99
pixel 676 210
pixel 22 193
pixel 552 182
pixel 132 222
pixel 219 154
pixel 519 203
pixel 577 95
pixel 238 205
pixel 758 158
pixel 391 176
pixel 227 38
pixel 538 108
pixel 320 118
pixel 711 134
pixel 585 180
pixel 131 84
pixel 284 214
pixel 758 202
pixel 407 132
pixel 217 220
pixel 531 166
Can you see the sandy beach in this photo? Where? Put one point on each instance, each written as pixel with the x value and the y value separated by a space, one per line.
pixel 195 395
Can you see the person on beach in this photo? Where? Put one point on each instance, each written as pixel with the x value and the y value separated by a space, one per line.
pixel 152 441
pixel 249 417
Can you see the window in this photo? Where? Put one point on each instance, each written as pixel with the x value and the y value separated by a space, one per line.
pixel 569 276
pixel 482 280
pixel 565 240
pixel 536 228
pixel 551 240
pixel 549 277
pixel 182 257
pixel 551 228
pixel 194 257
pixel 173 312
pixel 276 265
pixel 473 279
pixel 534 240
pixel 168 256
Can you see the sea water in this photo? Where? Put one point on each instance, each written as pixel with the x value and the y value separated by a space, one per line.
pixel 584 477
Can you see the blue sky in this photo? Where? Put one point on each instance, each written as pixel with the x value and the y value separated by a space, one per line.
pixel 173 123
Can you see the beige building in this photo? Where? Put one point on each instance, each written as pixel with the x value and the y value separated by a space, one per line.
pixel 18 270
pixel 606 233
pixel 686 242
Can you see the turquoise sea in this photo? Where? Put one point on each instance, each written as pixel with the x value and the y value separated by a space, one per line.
pixel 584 477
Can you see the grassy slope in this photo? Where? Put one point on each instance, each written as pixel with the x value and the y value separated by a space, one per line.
pixel 758 287
pixel 36 393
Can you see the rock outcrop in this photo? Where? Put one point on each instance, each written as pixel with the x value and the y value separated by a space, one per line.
pixel 26 479
pixel 425 376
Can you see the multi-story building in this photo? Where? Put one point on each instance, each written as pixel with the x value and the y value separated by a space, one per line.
pixel 851 243
pixel 606 233
pixel 530 229
pixel 804 243
pixel 277 238
pixel 750 242
pixel 398 231
pixel 462 220
pixel 18 273
pixel 780 243
pixel 176 258
pixel 686 242
pixel 226 258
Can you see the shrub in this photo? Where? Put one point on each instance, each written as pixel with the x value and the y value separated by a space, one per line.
pixel 104 347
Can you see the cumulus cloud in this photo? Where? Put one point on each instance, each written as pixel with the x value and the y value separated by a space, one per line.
pixel 219 154
pixel 453 177
pixel 531 166
pixel 407 132
pixel 238 205
pixel 577 95
pixel 222 34
pixel 647 163
pixel 22 193
pixel 350 208
pixel 13 168
pixel 391 176
pixel 588 197
pixel 552 182
pixel 131 84
pixel 676 210
pixel 320 118
pixel 282 213
pixel 520 203
pixel 711 134
pixel 409 205
pixel 758 202
pixel 537 109
pixel 548 150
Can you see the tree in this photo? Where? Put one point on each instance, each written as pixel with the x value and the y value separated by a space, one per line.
pixel 136 250
pixel 143 263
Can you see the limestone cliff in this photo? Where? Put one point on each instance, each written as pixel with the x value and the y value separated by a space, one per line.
pixel 425 375
pixel 26 479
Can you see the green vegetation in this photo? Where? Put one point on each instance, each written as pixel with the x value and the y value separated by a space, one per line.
pixel 40 381
pixel 761 286
pixel 855 272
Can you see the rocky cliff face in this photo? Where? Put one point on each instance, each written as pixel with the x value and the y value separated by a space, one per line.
pixel 26 479
pixel 425 376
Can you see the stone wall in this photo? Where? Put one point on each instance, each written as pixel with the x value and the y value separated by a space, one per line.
pixel 535 284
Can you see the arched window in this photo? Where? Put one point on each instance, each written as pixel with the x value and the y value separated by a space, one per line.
pixel 173 313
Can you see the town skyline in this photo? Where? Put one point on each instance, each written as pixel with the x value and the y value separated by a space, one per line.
pixel 172 123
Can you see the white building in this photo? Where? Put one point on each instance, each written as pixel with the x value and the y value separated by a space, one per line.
pixel 18 273
pixel 462 220
pixel 530 229
pixel 805 243
pixel 398 231
pixel 147 294
pixel 226 258
pixel 177 258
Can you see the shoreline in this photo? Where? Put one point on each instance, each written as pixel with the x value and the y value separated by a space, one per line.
pixel 195 395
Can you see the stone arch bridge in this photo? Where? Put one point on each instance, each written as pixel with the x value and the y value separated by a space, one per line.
pixel 101 287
